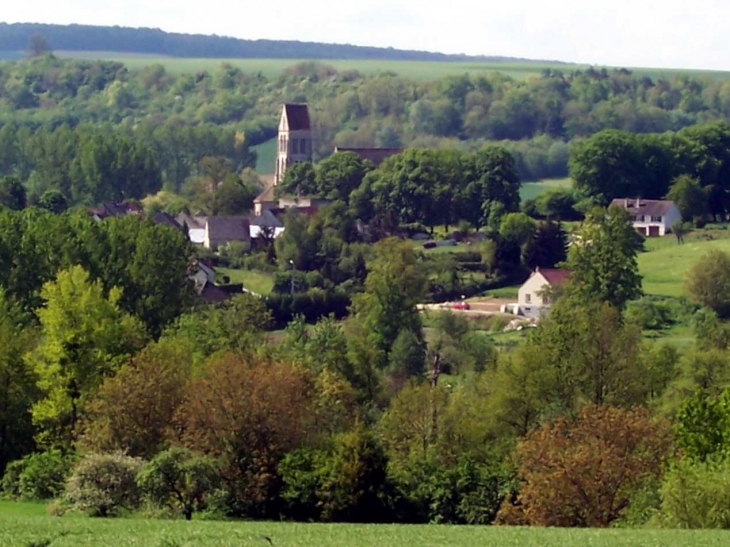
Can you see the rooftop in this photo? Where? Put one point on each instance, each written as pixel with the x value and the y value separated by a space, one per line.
pixel 554 276
pixel 166 220
pixel 651 207
pixel 266 218
pixel 266 195
pixel 297 116
pixel 233 228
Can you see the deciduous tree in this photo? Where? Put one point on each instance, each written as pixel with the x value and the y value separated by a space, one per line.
pixel 602 259
pixel 394 287
pixel 17 385
pixel 583 472
pixel 179 479
pixel 132 410
pixel 84 337
pixel 689 196
pixel 248 415
pixel 708 282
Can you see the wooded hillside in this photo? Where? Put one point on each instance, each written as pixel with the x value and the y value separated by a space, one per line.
pixel 16 37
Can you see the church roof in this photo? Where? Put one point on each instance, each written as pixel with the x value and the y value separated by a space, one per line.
pixel 375 155
pixel 297 116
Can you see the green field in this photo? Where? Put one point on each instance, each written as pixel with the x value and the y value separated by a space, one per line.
pixel 22 527
pixel 265 157
pixel 412 69
pixel 258 282
pixel 530 190
pixel 665 267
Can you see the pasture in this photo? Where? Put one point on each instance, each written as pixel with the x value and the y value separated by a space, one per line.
pixel 531 190
pixel 664 267
pixel 21 526
pixel 419 70
pixel 265 157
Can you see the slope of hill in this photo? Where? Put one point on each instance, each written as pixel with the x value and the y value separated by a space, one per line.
pixel 665 267
pixel 16 37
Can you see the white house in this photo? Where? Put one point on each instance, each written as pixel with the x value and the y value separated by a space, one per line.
pixel 650 217
pixel 532 302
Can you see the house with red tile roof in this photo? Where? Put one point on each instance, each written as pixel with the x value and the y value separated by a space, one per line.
pixel 532 300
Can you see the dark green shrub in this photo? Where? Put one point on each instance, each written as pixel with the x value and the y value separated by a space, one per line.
pixel 301 477
pixel 466 492
pixel 179 479
pixel 697 495
pixel 38 476
pixel 312 305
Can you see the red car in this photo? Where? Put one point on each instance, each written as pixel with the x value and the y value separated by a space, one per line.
pixel 460 306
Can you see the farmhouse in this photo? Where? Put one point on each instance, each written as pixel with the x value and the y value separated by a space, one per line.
pixel 532 298
pixel 650 217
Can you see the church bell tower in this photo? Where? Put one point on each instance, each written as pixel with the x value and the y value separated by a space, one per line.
pixel 295 139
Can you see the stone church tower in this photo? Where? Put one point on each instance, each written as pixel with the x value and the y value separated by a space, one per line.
pixel 295 139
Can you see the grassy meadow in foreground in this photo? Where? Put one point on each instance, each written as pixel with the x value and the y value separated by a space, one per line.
pixel 22 525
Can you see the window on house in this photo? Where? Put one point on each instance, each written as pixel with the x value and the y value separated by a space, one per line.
pixel 528 299
pixel 304 146
pixel 656 219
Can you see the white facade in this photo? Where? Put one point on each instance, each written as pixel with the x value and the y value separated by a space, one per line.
pixel 197 235
pixel 255 231
pixel 530 300
pixel 651 218
pixel 656 225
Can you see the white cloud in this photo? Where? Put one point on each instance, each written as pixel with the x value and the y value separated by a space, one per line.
pixel 622 32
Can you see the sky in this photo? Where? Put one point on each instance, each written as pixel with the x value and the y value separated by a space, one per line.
pixel 631 33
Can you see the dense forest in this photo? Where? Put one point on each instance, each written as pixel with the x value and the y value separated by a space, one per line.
pixel 536 119
pixel 16 37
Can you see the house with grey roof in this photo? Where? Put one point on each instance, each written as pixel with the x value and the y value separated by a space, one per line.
pixel 650 217
pixel 267 220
